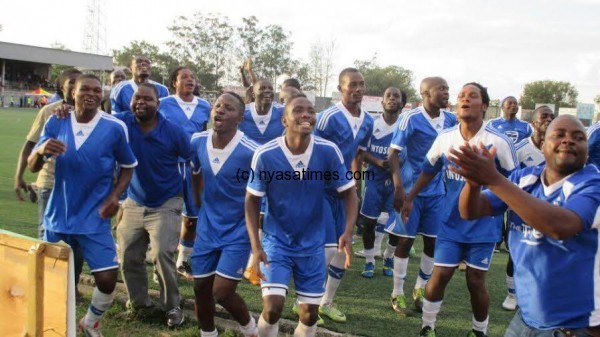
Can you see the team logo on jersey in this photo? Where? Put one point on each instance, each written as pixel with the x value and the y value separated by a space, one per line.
pixel 376 131
pixel 80 133
pixel 300 164
pixel 438 126
pixel 529 159
pixel 513 135
pixel 216 161
pixel 261 122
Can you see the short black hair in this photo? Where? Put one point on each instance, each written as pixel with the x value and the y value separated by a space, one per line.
pixel 346 71
pixel 292 98
pixel 150 86
pixel 173 76
pixel 291 82
pixel 485 97
pixel 83 77
pixel 238 98
pixel 64 75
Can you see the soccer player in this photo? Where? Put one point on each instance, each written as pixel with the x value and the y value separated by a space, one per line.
pixel 116 77
pixel 222 245
pixel 192 114
pixel 350 129
pixel 379 191
pixel 121 94
pixel 593 134
pixel 151 210
pixel 508 123
pixel 86 146
pixel 262 123
pixel 412 138
pixel 554 225
pixel 286 93
pixel 459 239
pixel 294 172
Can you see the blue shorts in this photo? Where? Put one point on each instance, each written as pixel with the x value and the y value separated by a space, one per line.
pixel 263 205
pixel 379 197
pixel 228 261
pixel 189 210
pixel 450 253
pixel 334 218
pixel 98 249
pixel 309 276
pixel 424 219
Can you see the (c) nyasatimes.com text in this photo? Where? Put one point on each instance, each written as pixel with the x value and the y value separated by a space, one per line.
pixel 304 174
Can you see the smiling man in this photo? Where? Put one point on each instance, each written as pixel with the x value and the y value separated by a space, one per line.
pixel 86 145
pixel 293 239
pixel 553 229
pixel 151 210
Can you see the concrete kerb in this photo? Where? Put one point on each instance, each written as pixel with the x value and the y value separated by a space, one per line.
pixel 223 320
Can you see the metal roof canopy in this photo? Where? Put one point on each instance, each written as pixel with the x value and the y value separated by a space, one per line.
pixel 20 52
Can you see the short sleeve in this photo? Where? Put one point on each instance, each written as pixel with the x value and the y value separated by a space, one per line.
pixel 433 162
pixel 585 202
pixel 182 143
pixel 50 130
pixel 506 157
pixel 194 155
pixel 402 134
pixel 339 180
pixel 123 153
pixel 257 186
pixel 38 125
pixel 499 206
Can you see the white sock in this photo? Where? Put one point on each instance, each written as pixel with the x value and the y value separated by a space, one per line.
pixel 510 285
pixel 430 311
pixel 400 267
pixel 330 253
pixel 184 254
pixel 481 326
pixel 249 329
pixel 370 255
pixel 100 303
pixel 425 270
pixel 267 330
pixel 336 272
pixel 389 251
pixel 303 330
pixel 378 240
pixel 213 333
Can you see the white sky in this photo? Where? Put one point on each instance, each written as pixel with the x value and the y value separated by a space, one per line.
pixel 501 44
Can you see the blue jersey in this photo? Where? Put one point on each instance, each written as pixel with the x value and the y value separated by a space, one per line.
pixel 156 178
pixel 221 219
pixel 84 175
pixel 528 154
pixel 514 129
pixel 295 188
pixel 192 116
pixel 262 128
pixel 378 147
pixel 486 229
pixel 593 135
pixel 546 268
pixel 122 93
pixel 347 132
pixel 414 134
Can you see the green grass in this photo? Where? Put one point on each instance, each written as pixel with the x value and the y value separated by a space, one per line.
pixel 365 302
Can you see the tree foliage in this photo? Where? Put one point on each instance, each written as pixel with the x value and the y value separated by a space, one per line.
pixel 318 71
pixel 559 93
pixel 379 78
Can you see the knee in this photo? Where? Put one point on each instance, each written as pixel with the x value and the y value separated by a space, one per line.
pixel 221 294
pixel 106 281
pixel 368 224
pixel 272 313
pixel 308 316
pixel 476 281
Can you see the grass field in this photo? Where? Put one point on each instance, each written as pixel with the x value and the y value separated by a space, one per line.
pixel 365 302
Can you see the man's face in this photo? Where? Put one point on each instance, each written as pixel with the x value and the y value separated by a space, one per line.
pixel 144 104
pixel 469 106
pixel 438 94
pixel 392 100
pixel 510 106
pixel 300 116
pixel 68 86
pixel 565 145
pixel 263 92
pixel 225 114
pixel 352 87
pixel 541 120
pixel 88 94
pixel 185 82
pixel 141 67
pixel 116 77
pixel 286 93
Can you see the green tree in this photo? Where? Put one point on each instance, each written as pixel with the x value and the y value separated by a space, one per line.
pixel 249 34
pixel 559 93
pixel 274 54
pixel 378 78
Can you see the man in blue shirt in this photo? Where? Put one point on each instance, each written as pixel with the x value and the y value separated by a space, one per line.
pixel 413 137
pixel 349 128
pixel 508 123
pixel 86 146
pixel 553 229
pixel 192 114
pixel 458 239
pixel 298 168
pixel 121 94
pixel 593 134
pixel 379 191
pixel 222 245
pixel 151 210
